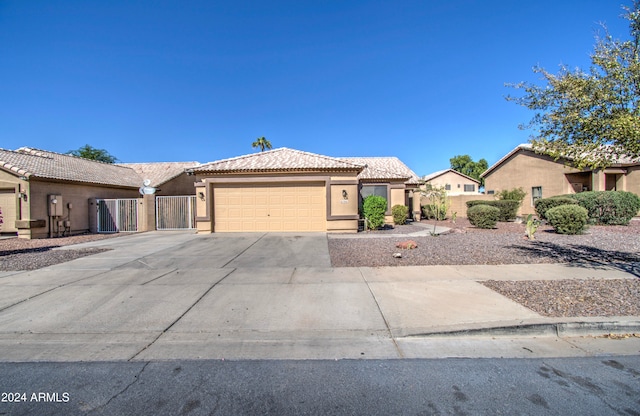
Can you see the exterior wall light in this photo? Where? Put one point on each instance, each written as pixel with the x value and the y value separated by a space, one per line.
pixel 23 195
pixel 201 196
pixel 345 195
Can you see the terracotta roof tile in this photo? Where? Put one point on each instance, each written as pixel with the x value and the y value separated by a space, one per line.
pixel 384 168
pixel 277 160
pixel 160 172
pixel 44 164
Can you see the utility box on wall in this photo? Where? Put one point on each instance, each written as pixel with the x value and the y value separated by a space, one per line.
pixel 55 206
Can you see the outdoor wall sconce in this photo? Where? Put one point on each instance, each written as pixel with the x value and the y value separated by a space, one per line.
pixel 23 195
pixel 345 195
pixel 201 196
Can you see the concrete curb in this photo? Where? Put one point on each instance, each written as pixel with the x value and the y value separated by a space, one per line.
pixel 560 329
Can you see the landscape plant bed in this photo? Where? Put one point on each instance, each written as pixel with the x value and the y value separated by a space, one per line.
pixel 506 244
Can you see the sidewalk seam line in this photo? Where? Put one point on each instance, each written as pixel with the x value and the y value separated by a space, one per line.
pixel 384 318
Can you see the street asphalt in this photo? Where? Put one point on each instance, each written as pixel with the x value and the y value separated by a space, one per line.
pixel 179 295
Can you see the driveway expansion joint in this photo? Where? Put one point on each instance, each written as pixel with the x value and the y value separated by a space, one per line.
pixel 181 316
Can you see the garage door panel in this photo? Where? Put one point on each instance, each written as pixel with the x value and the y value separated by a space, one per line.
pixel 275 207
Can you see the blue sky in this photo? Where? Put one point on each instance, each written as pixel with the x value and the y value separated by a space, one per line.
pixel 201 80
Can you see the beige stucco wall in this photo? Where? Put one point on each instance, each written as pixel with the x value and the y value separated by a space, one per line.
pixel 77 195
pixel 633 180
pixel 456 181
pixel 340 206
pixel 458 203
pixel 527 170
pixel 178 186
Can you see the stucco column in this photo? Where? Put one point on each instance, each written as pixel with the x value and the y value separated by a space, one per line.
pixel 147 213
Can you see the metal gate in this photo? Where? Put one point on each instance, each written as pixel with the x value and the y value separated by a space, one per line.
pixel 117 215
pixel 175 212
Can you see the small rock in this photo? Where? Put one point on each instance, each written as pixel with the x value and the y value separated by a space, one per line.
pixel 407 245
pixel 397 255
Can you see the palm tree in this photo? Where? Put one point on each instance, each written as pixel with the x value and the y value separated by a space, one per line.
pixel 262 143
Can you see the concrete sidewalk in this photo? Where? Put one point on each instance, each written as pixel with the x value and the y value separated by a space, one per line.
pixel 177 295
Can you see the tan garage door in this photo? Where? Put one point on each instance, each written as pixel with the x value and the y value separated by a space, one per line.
pixel 8 208
pixel 277 207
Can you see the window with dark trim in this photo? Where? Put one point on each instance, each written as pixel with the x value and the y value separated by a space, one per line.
pixel 469 188
pixel 536 193
pixel 380 190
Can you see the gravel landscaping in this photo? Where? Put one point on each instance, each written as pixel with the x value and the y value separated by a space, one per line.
pixel 506 244
pixel 618 246
pixel 22 254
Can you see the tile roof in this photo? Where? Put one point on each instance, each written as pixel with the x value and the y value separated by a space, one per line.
pixel 384 168
pixel 159 172
pixel 36 163
pixel 281 159
pixel 434 175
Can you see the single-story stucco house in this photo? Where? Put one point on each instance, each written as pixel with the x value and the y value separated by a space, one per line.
pixel 541 176
pixel 45 194
pixel 291 190
pixel 454 182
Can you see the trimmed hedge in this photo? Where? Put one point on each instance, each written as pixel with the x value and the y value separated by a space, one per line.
pixel 483 215
pixel 544 204
pixel 508 208
pixel 567 219
pixel 609 207
pixel 400 214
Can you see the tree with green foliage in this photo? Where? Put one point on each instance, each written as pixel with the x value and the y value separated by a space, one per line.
pixel 465 165
pixel 592 117
pixel 262 143
pixel 89 152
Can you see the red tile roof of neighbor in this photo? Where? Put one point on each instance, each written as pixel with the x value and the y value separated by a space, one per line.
pixel 36 163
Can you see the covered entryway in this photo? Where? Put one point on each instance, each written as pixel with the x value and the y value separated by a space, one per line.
pixel 270 207
pixel 8 209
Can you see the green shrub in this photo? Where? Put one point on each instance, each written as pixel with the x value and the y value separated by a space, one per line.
pixel 508 207
pixel 483 216
pixel 400 214
pixel 429 212
pixel 567 219
pixel 544 204
pixel 515 194
pixel 437 202
pixel 374 208
pixel 609 207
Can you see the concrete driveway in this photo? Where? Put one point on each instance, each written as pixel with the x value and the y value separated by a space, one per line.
pixel 177 295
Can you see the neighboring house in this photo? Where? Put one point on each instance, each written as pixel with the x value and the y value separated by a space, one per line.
pixel 454 182
pixel 290 190
pixel 541 176
pixel 44 193
pixel 170 178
